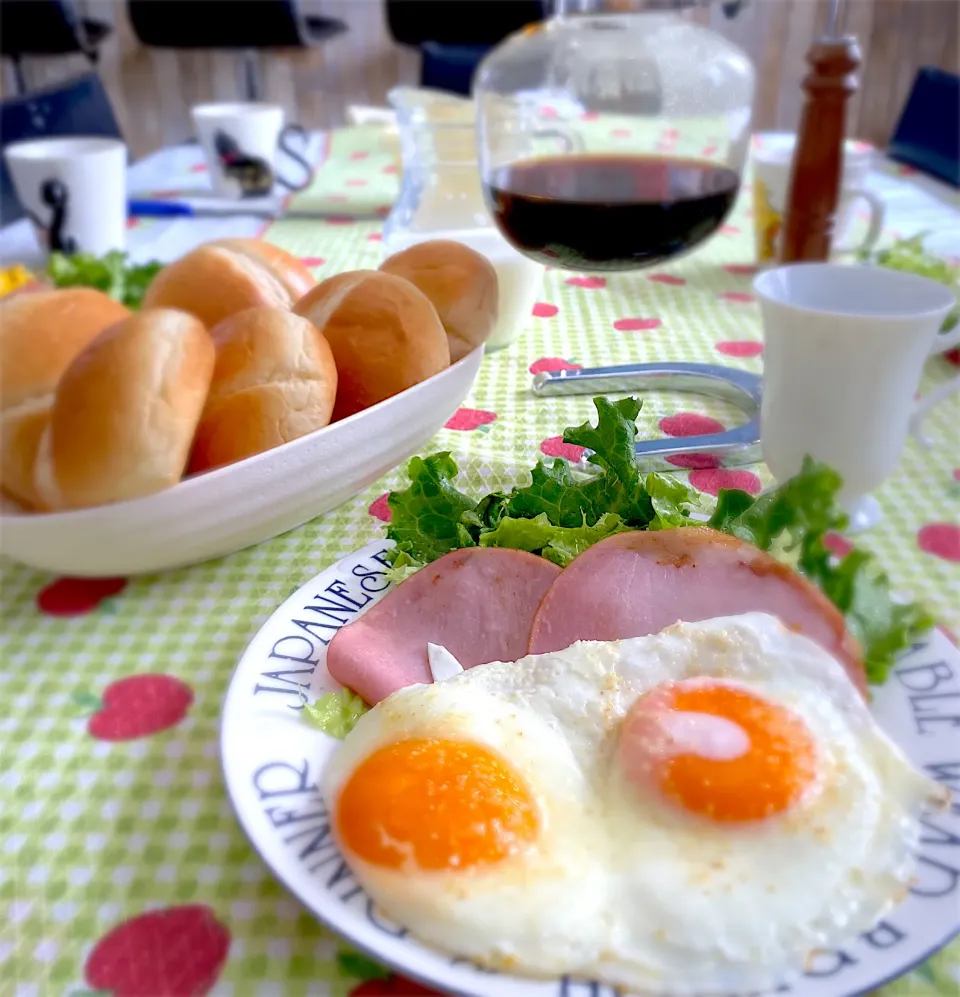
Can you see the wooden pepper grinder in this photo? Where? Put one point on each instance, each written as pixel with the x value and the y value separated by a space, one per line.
pixel 817 173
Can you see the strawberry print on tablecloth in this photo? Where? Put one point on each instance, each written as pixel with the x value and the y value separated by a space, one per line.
pixel 77 596
pixel 138 706
pixel 637 324
pixel 543 309
pixel 468 419
pixel 555 447
pixel 380 509
pixel 550 364
pixel 174 952
pixel 711 480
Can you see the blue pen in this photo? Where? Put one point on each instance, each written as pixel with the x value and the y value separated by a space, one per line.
pixel 158 209
pixel 183 209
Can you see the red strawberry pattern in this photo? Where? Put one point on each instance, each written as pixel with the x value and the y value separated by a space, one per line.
pixel 77 596
pixel 740 297
pixel 550 364
pixel 543 309
pixel 394 986
pixel 694 461
pixel 357 183
pixel 739 348
pixel 667 278
pixel 375 237
pixel 741 269
pixel 953 356
pixel 359 154
pixel 176 952
pixel 138 706
pixel 590 283
pixel 940 539
pixel 636 324
pixel 555 447
pixel 730 230
pixel 690 424
pixel 837 544
pixel 467 419
pixel 312 261
pixel 713 479
pixel 379 508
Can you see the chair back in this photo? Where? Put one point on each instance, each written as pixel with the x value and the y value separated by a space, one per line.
pixel 225 24
pixel 927 136
pixel 41 27
pixel 77 107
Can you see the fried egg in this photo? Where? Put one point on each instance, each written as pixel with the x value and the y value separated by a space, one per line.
pixel 695 811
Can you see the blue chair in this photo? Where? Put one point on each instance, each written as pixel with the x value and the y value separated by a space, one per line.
pixel 927 137
pixel 78 107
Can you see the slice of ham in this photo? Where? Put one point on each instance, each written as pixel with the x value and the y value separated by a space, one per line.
pixel 634 584
pixel 478 603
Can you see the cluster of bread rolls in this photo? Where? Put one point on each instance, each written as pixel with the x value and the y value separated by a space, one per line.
pixel 236 350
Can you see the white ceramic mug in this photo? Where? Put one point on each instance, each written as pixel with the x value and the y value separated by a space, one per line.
pixel 844 349
pixel 74 190
pixel 240 142
pixel 772 163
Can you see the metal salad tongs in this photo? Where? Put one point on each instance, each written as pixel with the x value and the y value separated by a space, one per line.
pixel 740 445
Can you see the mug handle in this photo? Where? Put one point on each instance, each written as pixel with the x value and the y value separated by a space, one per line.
pixel 876 222
pixel 922 407
pixel 296 156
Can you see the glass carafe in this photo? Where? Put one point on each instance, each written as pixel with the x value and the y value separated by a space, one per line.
pixel 440 189
pixel 613 136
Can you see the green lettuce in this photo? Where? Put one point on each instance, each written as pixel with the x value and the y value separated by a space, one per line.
pixel 910 256
pixel 562 511
pixel 112 274
pixel 335 713
pixel 793 521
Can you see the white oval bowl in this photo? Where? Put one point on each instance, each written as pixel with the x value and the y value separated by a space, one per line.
pixel 244 503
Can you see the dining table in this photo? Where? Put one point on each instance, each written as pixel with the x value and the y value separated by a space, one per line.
pixel 123 868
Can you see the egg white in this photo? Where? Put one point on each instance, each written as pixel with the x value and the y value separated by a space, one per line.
pixel 622 887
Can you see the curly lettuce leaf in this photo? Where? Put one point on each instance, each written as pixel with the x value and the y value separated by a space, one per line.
pixel 560 544
pixel 796 517
pixel 335 713
pixel 574 500
pixel 425 517
pixel 910 256
pixel 356 964
pixel 112 274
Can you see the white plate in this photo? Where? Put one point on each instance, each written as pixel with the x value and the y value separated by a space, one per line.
pixel 243 503
pixel 272 761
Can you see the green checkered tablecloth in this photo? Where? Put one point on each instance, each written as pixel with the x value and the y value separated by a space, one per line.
pixel 122 868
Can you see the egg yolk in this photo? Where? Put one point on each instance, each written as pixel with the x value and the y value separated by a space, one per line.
pixel 718 751
pixel 436 804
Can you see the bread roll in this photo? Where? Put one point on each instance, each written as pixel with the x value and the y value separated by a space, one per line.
pixel 125 412
pixel 384 333
pixel 274 380
pixel 460 282
pixel 221 278
pixel 40 333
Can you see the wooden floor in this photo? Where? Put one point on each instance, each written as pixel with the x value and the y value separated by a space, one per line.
pixel 152 90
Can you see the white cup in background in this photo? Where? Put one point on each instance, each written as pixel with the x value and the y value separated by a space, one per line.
pixel 74 190
pixel 241 141
pixel 844 349
pixel 772 163
pixel 519 279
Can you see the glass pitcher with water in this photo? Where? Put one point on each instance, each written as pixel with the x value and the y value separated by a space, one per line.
pixel 441 197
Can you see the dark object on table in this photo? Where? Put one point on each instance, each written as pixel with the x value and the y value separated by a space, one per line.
pixel 77 107
pixel 46 27
pixel 454 35
pixel 818 161
pixel 243 25
pixel 927 136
